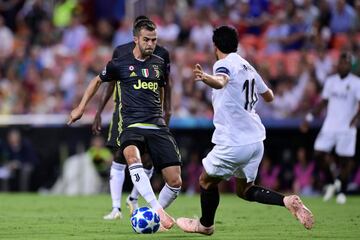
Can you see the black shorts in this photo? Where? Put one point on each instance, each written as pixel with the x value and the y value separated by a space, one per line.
pixel 159 143
pixel 114 131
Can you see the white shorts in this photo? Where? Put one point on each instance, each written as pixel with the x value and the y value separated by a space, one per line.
pixel 344 142
pixel 240 161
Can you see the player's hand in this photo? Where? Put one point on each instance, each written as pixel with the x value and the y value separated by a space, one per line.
pixel 75 115
pixel 96 126
pixel 304 126
pixel 198 72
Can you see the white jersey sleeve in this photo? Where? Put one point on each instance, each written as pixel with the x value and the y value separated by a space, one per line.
pixel 259 83
pixel 222 67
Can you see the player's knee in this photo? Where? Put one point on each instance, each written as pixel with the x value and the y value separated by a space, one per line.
pixel 132 160
pixel 175 182
pixel 206 184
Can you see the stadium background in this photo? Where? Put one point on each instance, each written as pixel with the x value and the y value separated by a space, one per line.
pixel 49 51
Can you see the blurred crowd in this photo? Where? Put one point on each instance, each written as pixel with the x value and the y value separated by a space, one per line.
pixel 49 50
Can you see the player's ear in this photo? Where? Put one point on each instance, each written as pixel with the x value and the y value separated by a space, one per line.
pixel 136 39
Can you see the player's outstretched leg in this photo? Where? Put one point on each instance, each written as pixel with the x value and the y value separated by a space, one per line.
pixel 191 225
pixel 294 204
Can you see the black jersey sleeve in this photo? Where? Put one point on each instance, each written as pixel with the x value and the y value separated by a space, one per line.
pixel 108 74
pixel 116 53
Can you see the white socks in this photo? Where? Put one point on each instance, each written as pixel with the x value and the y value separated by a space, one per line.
pixel 168 195
pixel 140 178
pixel 142 184
pixel 117 176
pixel 134 192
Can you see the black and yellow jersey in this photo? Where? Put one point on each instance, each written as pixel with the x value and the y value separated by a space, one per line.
pixel 127 48
pixel 138 86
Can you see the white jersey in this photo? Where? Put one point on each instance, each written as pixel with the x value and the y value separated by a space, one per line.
pixel 343 97
pixel 236 122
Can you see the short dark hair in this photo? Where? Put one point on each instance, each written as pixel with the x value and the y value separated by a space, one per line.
pixel 226 39
pixel 143 24
pixel 140 18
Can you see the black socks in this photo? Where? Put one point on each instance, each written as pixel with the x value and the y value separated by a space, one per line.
pixel 263 195
pixel 209 202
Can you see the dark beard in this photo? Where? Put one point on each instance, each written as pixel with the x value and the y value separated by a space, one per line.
pixel 145 53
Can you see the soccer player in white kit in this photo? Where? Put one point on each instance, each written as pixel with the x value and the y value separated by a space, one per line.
pixel 341 95
pixel 238 135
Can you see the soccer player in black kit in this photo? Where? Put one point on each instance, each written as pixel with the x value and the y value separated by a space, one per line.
pixel 117 172
pixel 139 76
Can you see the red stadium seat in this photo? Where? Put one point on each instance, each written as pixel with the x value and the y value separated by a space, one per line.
pixel 339 41
pixel 292 61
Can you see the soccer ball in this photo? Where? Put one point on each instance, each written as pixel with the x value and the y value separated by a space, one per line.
pixel 145 220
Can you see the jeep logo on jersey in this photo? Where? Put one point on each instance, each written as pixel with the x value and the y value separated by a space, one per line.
pixel 145 72
pixel 153 86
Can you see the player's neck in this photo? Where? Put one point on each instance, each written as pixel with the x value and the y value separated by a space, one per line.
pixel 138 55
pixel 221 55
pixel 344 75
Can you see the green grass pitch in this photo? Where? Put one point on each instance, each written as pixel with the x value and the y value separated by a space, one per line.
pixel 29 216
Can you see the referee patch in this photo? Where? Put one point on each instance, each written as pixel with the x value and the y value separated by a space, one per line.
pixel 222 70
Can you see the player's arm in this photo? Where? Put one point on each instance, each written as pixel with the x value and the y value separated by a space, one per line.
pixel 107 75
pixel 309 117
pixel 217 81
pixel 268 96
pixel 355 120
pixel 325 95
pixel 265 92
pixel 90 91
pixel 105 96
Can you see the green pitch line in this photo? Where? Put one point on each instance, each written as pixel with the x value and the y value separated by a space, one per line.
pixel 27 216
